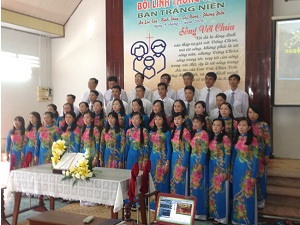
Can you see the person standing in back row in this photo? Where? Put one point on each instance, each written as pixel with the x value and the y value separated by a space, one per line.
pixel 208 93
pixel 92 84
pixel 238 99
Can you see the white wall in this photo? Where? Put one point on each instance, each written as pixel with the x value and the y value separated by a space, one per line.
pixel 286 120
pixel 81 54
pixel 19 98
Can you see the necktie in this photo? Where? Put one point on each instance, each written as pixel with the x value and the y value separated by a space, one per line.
pixel 188 109
pixel 207 100
pixel 111 97
pixel 232 99
pixel 92 108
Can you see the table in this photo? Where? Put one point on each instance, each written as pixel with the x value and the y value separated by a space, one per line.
pixel 110 186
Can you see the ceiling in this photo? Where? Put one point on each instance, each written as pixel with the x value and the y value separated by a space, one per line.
pixel 55 11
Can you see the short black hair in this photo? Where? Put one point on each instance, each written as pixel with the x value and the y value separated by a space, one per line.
pixel 142 87
pixel 142 75
pixel 190 87
pixel 95 92
pixel 117 87
pixel 162 84
pixel 96 81
pixel 72 96
pixel 212 74
pixel 188 74
pixel 166 75
pixel 222 95
pixel 112 78
pixel 235 76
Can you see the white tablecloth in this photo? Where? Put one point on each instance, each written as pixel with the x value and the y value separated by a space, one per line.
pixel 110 186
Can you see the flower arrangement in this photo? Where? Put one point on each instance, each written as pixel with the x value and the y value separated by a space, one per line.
pixel 83 170
pixel 58 149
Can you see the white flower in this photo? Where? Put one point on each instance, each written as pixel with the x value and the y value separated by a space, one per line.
pixel 77 175
pixel 90 174
pixel 67 173
pixel 83 177
pixel 63 172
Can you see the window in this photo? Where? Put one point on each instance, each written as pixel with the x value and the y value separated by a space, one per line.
pixel 17 67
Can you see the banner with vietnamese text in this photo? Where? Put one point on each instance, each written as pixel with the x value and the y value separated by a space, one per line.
pixel 176 36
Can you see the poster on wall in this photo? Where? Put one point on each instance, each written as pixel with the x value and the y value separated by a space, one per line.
pixel 177 36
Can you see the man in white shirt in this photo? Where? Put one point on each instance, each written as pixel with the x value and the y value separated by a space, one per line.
pixel 220 98
pixel 208 94
pixel 71 100
pixel 93 82
pixel 165 78
pixel 238 98
pixel 116 93
pixel 108 96
pixel 139 80
pixel 140 94
pixel 189 93
pixel 163 96
pixel 92 98
pixel 188 79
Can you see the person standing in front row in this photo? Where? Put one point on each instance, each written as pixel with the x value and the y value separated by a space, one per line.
pixel 181 138
pixel 45 137
pixel 137 140
pixel 261 131
pixel 71 133
pixel 244 174
pixel 160 154
pixel 112 143
pixel 15 143
pixel 198 167
pixel 30 139
pixel 208 93
pixel 219 164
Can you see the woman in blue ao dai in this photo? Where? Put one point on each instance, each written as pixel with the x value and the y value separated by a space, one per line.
pixel 90 137
pixel 179 107
pixel 180 140
pixel 83 108
pixel 230 122
pixel 261 131
pixel 118 107
pixel 112 143
pixel 99 115
pixel 160 154
pixel 200 109
pixel 60 122
pixel 15 143
pixel 30 139
pixel 137 107
pixel 45 137
pixel 244 174
pixel 71 133
pixel 220 150
pixel 199 167
pixel 157 107
pixel 137 140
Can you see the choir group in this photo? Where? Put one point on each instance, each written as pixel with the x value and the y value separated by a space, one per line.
pixel 204 143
